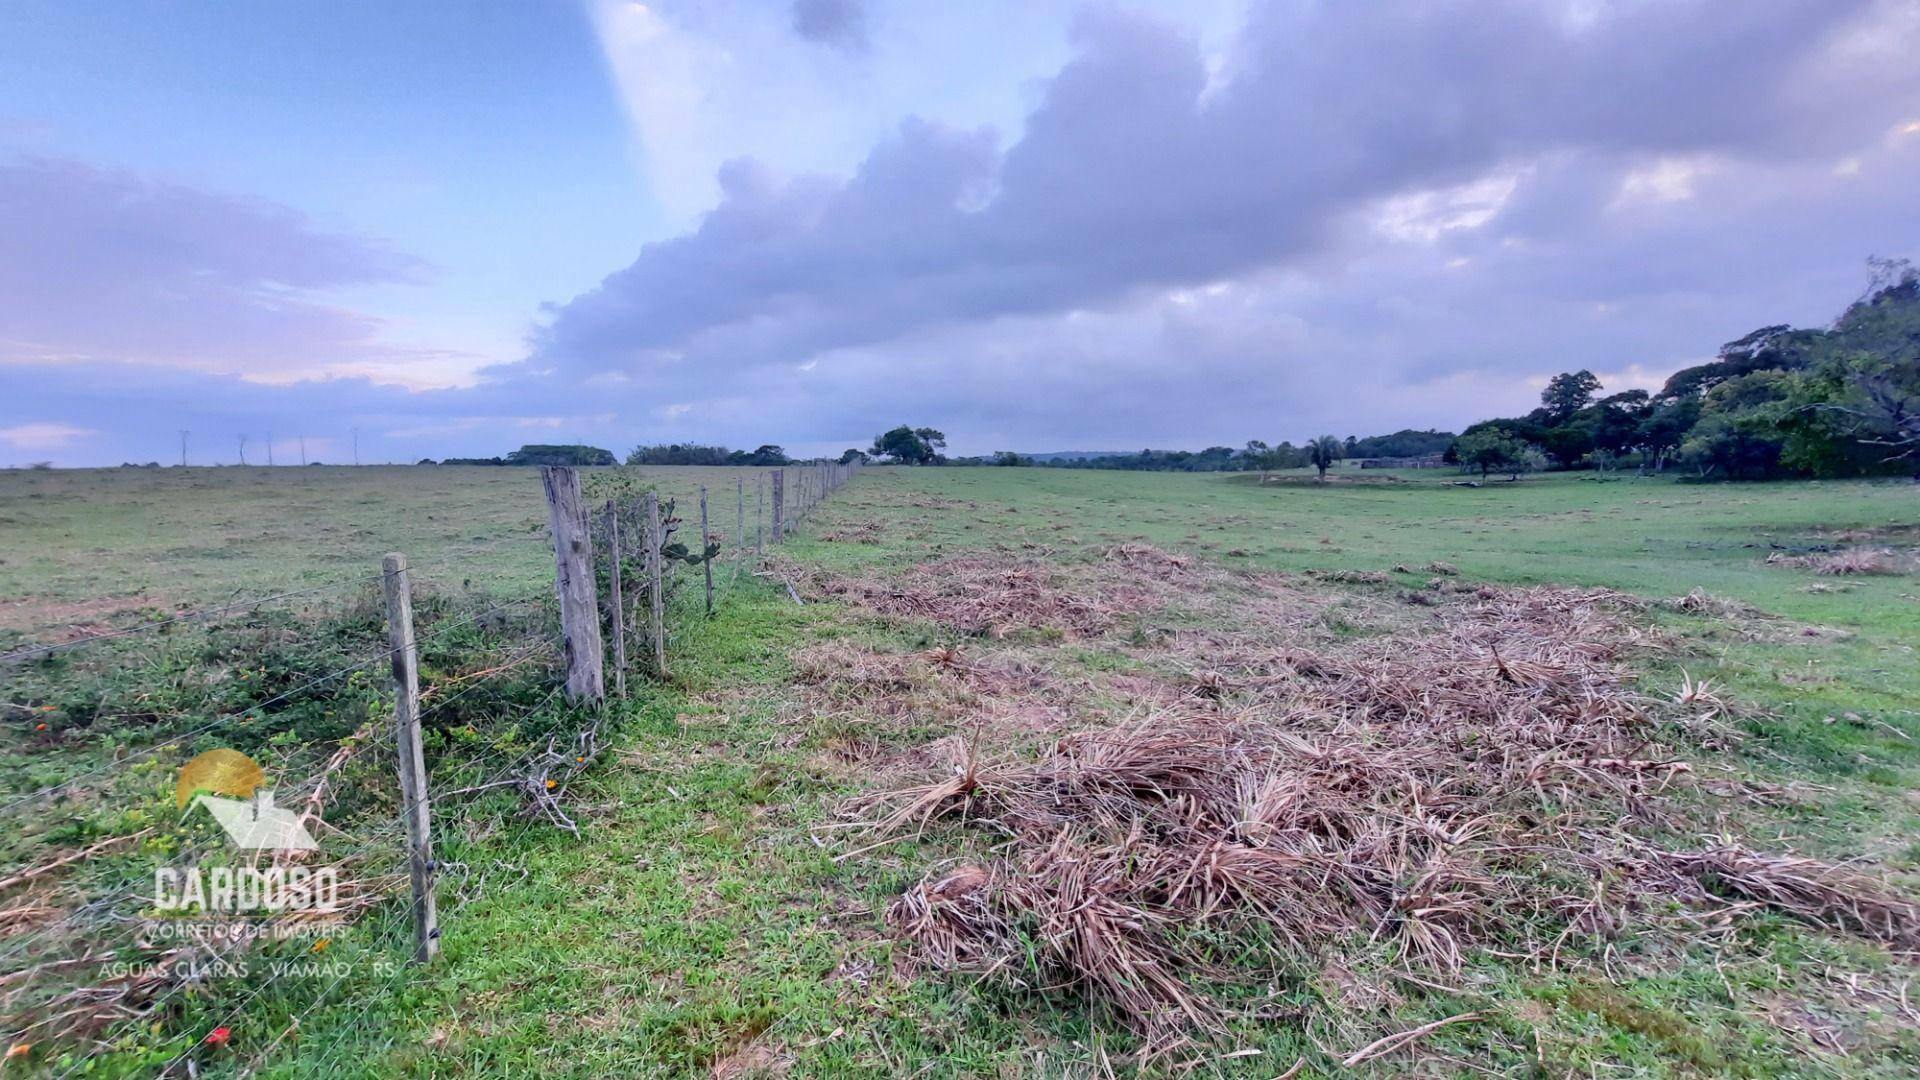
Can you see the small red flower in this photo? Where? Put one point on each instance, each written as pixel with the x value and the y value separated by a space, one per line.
pixel 219 1036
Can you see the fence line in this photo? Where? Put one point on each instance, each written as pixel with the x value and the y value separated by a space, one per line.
pixel 502 760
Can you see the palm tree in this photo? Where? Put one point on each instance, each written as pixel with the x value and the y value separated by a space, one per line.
pixel 1323 452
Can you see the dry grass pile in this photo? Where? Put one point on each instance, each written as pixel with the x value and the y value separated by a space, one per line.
pixel 996 595
pixel 864 532
pixel 1492 781
pixel 1827 895
pixel 1699 601
pixel 1848 563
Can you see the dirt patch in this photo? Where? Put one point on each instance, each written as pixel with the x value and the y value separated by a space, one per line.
pixel 60 621
pixel 757 1059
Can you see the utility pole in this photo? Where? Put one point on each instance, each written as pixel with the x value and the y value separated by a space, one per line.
pixel 183 447
pixel 243 449
pixel 269 449
pixel 303 449
pixel 356 446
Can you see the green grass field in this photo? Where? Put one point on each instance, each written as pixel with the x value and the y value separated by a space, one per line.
pixel 716 917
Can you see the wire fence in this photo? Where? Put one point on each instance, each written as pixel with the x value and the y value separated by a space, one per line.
pixel 214 832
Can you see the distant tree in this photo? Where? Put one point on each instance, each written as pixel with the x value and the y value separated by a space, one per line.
pixel 1567 444
pixel 1323 452
pixel 909 445
pixel 1404 443
pixel 1011 459
pixel 570 454
pixel 1490 450
pixel 1880 371
pixel 1732 444
pixel 851 455
pixel 1258 456
pixel 683 454
pixel 1567 394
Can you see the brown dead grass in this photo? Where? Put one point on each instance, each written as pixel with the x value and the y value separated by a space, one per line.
pixel 1848 563
pixel 1485 776
pixel 983 595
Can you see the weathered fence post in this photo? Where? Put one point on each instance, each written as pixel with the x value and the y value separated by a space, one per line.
pixel 779 505
pixel 739 523
pixel 760 516
pixel 706 541
pixel 618 613
pixel 413 767
pixel 657 620
pixel 573 580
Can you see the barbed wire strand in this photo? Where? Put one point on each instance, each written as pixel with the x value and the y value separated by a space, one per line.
pixel 276 699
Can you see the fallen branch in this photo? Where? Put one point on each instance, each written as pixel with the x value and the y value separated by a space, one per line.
pixel 66 860
pixel 1399 1039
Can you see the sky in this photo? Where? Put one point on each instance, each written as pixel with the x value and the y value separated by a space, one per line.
pixel 433 230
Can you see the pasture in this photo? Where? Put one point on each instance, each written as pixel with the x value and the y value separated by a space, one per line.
pixel 823 846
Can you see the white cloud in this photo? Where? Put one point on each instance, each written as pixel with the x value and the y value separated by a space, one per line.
pixel 44 436
pixel 1426 216
pixel 1665 180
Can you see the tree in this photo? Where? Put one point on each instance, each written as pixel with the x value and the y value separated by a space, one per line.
pixel 1663 430
pixel 1323 452
pixel 1010 459
pixel 1881 371
pixel 909 446
pixel 1568 443
pixel 571 454
pixel 1735 444
pixel 851 455
pixel 1258 455
pixel 1491 450
pixel 1567 394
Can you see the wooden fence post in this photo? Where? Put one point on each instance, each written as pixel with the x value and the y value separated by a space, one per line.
pixel 739 522
pixel 706 541
pixel 573 580
pixel 657 620
pixel 760 515
pixel 779 505
pixel 413 767
pixel 619 609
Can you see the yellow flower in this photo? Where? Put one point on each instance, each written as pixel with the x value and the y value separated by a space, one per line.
pixel 551 784
pixel 321 945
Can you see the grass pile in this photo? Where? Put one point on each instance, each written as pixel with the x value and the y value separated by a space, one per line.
pixel 1489 780
pixel 988 595
pixel 1848 563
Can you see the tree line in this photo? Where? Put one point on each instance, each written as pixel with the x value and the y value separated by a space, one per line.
pixel 1839 401
pixel 1833 402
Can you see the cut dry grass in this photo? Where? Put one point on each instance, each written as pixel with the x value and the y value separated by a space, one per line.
pixel 1489 781
pixel 1849 563
pixel 982 595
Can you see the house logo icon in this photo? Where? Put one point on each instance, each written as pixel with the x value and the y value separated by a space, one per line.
pixel 233 789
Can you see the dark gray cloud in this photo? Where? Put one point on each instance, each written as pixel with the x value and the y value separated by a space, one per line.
pixel 106 265
pixel 1367 216
pixel 841 24
pixel 1138 172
